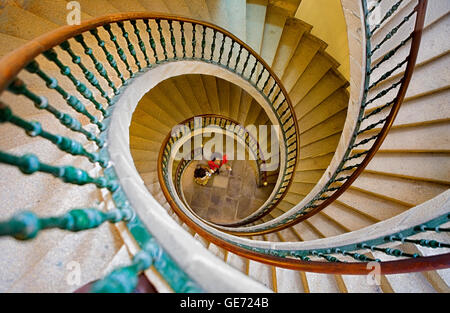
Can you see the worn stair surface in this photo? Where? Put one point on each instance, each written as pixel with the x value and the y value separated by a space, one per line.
pixel 406 171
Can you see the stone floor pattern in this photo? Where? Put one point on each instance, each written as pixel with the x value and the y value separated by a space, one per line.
pixel 227 197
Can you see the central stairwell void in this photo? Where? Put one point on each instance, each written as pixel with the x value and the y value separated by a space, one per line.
pixel 100 123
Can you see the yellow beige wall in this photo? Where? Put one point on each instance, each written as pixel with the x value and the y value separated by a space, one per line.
pixel 327 19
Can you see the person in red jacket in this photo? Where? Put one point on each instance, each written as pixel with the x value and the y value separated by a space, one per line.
pixel 215 164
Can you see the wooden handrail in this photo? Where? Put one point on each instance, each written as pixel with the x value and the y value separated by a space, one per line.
pixel 15 61
pixel 416 39
pixel 357 268
pixel 12 63
pixel 412 58
pixel 388 267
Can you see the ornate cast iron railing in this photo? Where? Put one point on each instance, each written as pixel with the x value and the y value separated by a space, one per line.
pixel 385 86
pixel 87 66
pixel 378 110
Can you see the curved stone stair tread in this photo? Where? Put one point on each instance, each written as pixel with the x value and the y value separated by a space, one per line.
pixel 12 17
pixel 401 190
pixel 436 12
pixel 370 205
pixel 316 69
pixel 230 15
pixel 98 7
pixel 293 31
pixel 433 108
pixel 286 230
pixel 347 218
pixel 184 87
pixel 273 28
pixel 433 45
pixel 328 93
pixel 174 98
pixel 53 10
pixel 437 78
pixel 13 43
pixel 256 17
pixel 416 166
pixel 413 139
pixel 331 126
pixel 306 50
pixel 92 250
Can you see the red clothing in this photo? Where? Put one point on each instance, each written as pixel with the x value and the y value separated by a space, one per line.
pixel 214 166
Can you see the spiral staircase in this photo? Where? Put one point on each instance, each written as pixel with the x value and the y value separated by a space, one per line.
pixel 363 177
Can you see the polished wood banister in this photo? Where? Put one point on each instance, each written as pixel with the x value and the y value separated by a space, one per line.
pixel 361 268
pixel 15 61
pixel 356 268
pixel 12 63
pixel 414 50
pixel 412 58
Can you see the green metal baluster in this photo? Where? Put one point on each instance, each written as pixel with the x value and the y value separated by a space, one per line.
pixel 183 39
pixel 389 251
pixel 260 76
pixel 120 52
pixel 386 16
pixel 373 8
pixel 29 164
pixel 65 144
pixel 390 54
pixel 357 256
pixel 238 58
pixel 266 82
pixel 230 53
pixel 299 255
pixel 213 45
pixel 51 55
pixel 391 33
pixel 421 242
pixel 222 48
pixel 371 126
pixel 88 74
pixel 129 44
pixel 272 89
pixel 172 39
pixel 203 41
pixel 124 279
pixel 378 110
pixel 383 93
pixel 253 69
pixel 140 42
pixel 194 40
pixel 151 40
pixel 27 225
pixel 109 57
pixel 435 229
pixel 161 38
pixel 71 100
pixel 388 73
pixel 355 156
pixel 18 87
pixel 326 257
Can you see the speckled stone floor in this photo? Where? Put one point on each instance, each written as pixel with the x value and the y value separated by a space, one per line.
pixel 227 197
